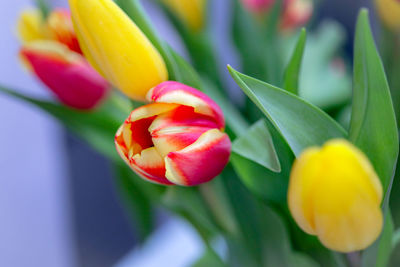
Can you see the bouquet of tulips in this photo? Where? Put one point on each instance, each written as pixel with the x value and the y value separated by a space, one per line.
pixel 300 173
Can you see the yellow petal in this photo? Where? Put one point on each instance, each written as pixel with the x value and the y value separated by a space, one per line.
pixel 190 12
pixel 389 11
pixel 30 26
pixel 334 193
pixel 116 47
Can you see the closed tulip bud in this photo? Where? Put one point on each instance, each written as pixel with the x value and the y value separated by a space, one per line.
pixel 176 139
pixel 62 30
pixel 67 74
pixel 389 11
pixel 116 47
pixel 190 12
pixel 31 26
pixel 335 194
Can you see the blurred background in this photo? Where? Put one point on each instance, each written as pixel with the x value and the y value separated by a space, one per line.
pixel 58 206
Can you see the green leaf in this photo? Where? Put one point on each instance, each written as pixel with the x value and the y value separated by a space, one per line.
pixel 188 203
pixel 301 124
pixel 264 183
pixel 378 254
pixel 257 145
pixel 97 127
pixel 291 79
pixel 373 124
pixel 209 259
pixel 138 197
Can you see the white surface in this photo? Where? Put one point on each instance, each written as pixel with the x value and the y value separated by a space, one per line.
pixel 34 224
pixel 175 244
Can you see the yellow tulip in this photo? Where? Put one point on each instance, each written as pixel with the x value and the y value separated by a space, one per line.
pixel 116 47
pixel 389 11
pixel 190 12
pixel 31 26
pixel 335 194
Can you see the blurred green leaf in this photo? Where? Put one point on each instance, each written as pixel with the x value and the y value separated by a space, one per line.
pixel 302 260
pixel 138 196
pixel 300 123
pixel 187 201
pixel 261 181
pixel 257 145
pixel 291 78
pixel 373 124
pixel 97 127
pixel 209 259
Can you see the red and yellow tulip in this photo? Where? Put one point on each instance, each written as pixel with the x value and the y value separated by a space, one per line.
pixel 335 194
pixel 66 73
pixel 176 139
pixel 52 52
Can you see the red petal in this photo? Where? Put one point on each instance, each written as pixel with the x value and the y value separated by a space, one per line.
pixel 201 161
pixel 67 74
pixel 174 92
pixel 150 166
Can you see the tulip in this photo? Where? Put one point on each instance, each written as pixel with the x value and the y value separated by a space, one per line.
pixel 66 73
pixel 117 48
pixel 190 12
pixel 176 139
pixel 335 194
pixel 389 11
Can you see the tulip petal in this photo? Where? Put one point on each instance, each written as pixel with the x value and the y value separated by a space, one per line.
pixel 150 110
pixel 174 92
pixel 191 165
pixel 350 223
pixel 66 73
pixel 30 26
pixel 181 116
pixel 150 166
pixel 116 46
pixel 60 27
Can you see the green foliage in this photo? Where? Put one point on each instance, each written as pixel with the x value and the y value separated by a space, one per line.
pixel 292 73
pixel 300 123
pixel 373 124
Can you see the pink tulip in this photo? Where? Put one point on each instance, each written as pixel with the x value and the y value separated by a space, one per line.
pixel 176 139
pixel 66 73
